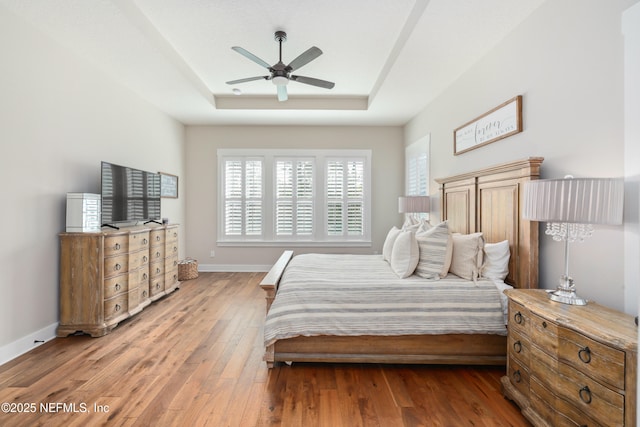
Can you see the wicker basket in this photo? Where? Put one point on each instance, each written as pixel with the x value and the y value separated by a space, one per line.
pixel 187 269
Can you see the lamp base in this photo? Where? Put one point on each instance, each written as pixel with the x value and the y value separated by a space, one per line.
pixel 566 293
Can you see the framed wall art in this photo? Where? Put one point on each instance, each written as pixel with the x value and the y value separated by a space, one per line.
pixel 168 185
pixel 501 122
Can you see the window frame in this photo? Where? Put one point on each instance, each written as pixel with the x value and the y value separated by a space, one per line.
pixel 319 237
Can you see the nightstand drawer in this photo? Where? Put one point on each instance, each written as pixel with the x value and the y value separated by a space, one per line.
pixel 544 333
pixel 601 403
pixel 519 347
pixel 518 318
pixel 519 376
pixel 599 361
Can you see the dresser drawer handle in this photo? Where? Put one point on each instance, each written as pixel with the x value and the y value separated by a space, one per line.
pixel 585 355
pixel 517 346
pixel 117 286
pixel 117 308
pixel 145 259
pixel 144 294
pixel 145 241
pixel 518 318
pixel 517 376
pixel 157 238
pixel 144 276
pixel 117 267
pixel 544 325
pixel 585 394
pixel 117 246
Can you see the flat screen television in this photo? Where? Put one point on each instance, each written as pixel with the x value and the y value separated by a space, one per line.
pixel 129 195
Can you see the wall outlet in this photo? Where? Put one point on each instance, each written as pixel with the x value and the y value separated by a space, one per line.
pixel 213 254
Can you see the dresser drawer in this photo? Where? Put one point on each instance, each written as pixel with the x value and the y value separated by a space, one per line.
pixel 138 259
pixel 157 237
pixel 156 269
pixel 116 265
pixel 116 285
pixel 115 245
pixel 116 306
pixel 598 361
pixel 171 236
pixel 156 286
pixel 518 318
pixel 138 241
pixel 157 253
pixel 543 333
pixel 603 404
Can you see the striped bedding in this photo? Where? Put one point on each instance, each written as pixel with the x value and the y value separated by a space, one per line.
pixel 324 294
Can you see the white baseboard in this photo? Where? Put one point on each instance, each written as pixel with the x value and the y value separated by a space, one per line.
pixel 19 347
pixel 233 268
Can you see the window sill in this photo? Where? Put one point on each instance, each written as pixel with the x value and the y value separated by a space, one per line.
pixel 296 244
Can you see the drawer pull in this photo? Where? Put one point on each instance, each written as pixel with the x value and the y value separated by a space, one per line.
pixel 544 324
pixel 117 246
pixel 145 241
pixel 585 355
pixel 585 394
pixel 145 259
pixel 517 346
pixel 517 376
pixel 117 267
pixel 117 308
pixel 117 286
pixel 144 276
pixel 144 294
pixel 157 238
pixel 518 318
pixel 157 254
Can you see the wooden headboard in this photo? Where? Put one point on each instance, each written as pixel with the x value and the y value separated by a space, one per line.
pixel 490 201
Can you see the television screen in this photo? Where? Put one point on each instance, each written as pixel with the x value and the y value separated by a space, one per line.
pixel 129 194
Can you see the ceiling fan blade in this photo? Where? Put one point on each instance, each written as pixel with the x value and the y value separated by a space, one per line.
pixel 313 82
pixel 251 56
pixel 248 79
pixel 304 58
pixel 282 93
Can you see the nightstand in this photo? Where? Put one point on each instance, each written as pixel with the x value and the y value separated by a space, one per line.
pixel 570 365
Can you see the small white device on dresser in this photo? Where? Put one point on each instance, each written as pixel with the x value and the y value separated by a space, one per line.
pixel 83 212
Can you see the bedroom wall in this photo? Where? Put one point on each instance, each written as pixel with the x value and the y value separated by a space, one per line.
pixel 386 144
pixel 59 117
pixel 567 61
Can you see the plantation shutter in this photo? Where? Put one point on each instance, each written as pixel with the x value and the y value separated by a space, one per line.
pixel 243 203
pixel 345 197
pixel 294 197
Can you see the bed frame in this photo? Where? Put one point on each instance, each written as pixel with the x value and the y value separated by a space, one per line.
pixel 488 200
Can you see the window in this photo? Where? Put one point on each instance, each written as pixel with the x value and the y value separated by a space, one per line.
pixel 294 196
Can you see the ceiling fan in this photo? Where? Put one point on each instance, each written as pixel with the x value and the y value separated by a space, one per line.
pixel 280 74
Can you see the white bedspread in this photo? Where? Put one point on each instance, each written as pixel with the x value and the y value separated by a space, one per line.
pixel 323 294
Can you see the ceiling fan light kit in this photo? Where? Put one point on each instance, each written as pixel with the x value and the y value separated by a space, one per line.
pixel 280 74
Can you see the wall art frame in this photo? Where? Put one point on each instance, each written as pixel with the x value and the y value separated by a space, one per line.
pixel 168 185
pixel 496 124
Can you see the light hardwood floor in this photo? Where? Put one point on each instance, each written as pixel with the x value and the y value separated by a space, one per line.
pixel 194 358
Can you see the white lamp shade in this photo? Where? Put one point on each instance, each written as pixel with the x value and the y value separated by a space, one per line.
pixel 413 204
pixel 574 200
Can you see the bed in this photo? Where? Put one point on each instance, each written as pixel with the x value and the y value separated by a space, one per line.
pixel 486 201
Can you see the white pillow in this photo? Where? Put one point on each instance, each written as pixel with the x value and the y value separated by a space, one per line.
pixel 387 247
pixel 496 260
pixel 435 252
pixel 405 254
pixel 466 261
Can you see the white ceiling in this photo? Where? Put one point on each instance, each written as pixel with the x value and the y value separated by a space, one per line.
pixel 388 58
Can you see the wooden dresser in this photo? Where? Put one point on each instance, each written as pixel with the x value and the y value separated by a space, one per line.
pixel 570 365
pixel 108 276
